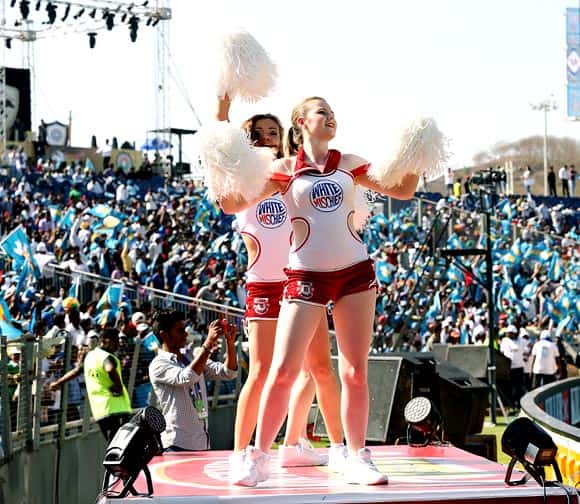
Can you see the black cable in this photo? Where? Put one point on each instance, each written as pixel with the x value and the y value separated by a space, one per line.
pixel 563 487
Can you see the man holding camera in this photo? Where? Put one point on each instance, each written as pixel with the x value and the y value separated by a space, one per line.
pixel 178 378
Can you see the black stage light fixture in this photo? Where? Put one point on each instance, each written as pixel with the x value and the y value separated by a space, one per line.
pixel 8 43
pixel 149 21
pixel 79 13
pixel 51 11
pixel 93 13
pixel 105 13
pixel 110 21
pixel 25 9
pixel 133 28
pixel 423 421
pixel 12 3
pixel 131 449
pixel 530 445
pixel 92 39
pixel 156 22
pixel 124 17
pixel 38 5
pixel 66 12
pixel 145 3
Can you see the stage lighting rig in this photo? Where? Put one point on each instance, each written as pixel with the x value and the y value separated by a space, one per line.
pixel 84 16
pixel 8 43
pixel 530 445
pixel 131 449
pixel 423 421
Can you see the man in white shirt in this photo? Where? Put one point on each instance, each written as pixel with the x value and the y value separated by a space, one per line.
pixel 512 348
pixel 544 360
pixel 563 176
pixel 178 378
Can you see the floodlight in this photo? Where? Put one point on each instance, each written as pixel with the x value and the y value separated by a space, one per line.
pixel 423 421
pixel 24 9
pixel 51 11
pixel 110 21
pixel 531 446
pixel 131 449
pixel 66 12
pixel 92 39
pixel 133 28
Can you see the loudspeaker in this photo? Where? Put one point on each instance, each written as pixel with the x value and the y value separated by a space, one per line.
pixel 463 403
pixel 393 381
pixel 470 358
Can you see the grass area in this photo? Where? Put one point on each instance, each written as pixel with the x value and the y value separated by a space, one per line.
pixel 497 431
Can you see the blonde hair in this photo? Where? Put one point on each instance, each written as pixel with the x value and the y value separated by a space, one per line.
pixel 294 139
pixel 249 126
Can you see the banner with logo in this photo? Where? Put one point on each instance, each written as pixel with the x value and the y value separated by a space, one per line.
pixel 18 109
pixel 573 61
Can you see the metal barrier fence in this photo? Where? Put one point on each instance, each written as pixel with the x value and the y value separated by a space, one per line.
pixel 30 415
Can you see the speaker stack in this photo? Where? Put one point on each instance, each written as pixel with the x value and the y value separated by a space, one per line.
pixel 396 378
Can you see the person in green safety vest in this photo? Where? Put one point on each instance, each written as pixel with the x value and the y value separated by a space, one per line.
pixel 108 397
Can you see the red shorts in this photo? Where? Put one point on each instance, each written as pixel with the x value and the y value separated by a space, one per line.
pixel 263 300
pixel 321 287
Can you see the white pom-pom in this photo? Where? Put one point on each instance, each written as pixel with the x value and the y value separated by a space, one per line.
pixel 233 166
pixel 245 68
pixel 361 208
pixel 422 151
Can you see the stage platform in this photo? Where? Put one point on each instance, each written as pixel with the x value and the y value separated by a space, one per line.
pixel 425 475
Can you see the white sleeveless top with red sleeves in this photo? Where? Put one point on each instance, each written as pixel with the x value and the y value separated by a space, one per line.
pixel 322 206
pixel 268 225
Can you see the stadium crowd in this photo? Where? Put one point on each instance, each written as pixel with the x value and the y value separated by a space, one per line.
pixel 166 236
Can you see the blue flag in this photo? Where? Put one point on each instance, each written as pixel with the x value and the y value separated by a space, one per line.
pixel 111 297
pixel 6 327
pixel 17 246
pixel 556 268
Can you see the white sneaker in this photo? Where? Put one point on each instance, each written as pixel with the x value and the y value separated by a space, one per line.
pixel 360 470
pixel 337 454
pixel 305 443
pixel 300 456
pixel 254 469
pixel 237 461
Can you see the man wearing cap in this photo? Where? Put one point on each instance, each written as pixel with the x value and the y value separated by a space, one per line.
pixel 108 397
pixel 544 360
pixel 178 377
pixel 512 348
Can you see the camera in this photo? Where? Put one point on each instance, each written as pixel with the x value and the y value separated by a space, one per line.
pixel 225 325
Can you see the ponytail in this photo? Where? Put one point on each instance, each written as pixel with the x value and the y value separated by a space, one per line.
pixel 293 142
pixel 294 138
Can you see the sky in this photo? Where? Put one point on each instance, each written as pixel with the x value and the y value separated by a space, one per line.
pixel 474 66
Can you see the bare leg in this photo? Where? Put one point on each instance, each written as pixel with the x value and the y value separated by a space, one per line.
pixel 297 323
pixel 353 320
pixel 319 363
pixel 261 337
pixel 300 401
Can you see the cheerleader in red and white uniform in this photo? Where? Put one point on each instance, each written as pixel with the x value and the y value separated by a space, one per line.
pixel 265 228
pixel 328 262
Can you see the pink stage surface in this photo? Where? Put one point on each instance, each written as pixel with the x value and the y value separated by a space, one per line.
pixel 430 474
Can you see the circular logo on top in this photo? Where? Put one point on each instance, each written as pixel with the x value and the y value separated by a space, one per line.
pixel 326 195
pixel 271 213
